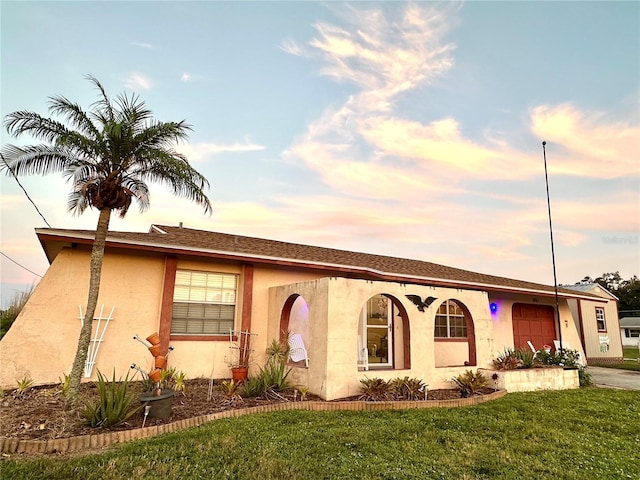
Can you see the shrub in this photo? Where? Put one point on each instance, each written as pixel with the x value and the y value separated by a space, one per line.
pixel 567 358
pixel 585 377
pixel 470 382
pixel 526 356
pixel 272 378
pixel 8 316
pixel 507 360
pixel 278 351
pixel 407 388
pixel 231 392
pixel 375 390
pixel 113 407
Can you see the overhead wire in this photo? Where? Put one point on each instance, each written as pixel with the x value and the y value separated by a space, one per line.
pixel 21 266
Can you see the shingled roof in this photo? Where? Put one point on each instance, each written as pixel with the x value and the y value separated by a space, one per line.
pixel 191 242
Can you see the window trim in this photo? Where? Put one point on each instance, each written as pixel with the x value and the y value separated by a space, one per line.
pixel 604 320
pixel 448 302
pixel 204 336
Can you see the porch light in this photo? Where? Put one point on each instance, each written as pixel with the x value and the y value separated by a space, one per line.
pixel 493 307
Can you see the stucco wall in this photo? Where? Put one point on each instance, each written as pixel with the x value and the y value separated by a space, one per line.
pixel 42 342
pixel 211 358
pixel 532 379
pixel 334 311
pixel 503 326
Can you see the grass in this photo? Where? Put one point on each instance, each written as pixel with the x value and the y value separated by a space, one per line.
pixel 633 364
pixel 575 434
pixel 631 352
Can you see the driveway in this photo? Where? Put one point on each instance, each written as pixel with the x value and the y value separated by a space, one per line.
pixel 612 377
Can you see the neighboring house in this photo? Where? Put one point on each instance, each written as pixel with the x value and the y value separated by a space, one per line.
pixel 597 324
pixel 358 315
pixel 630 331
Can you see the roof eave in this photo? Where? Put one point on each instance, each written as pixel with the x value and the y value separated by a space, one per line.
pixel 400 277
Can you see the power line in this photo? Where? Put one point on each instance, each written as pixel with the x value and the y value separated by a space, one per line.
pixel 21 266
pixel 25 192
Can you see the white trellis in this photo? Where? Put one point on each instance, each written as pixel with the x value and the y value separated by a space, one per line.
pixel 96 339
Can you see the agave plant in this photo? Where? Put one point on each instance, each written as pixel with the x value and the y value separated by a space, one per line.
pixel 114 405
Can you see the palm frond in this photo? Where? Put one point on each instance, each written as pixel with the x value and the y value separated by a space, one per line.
pixel 102 110
pixel 140 192
pixel 37 159
pixel 20 122
pixel 162 134
pixel 75 115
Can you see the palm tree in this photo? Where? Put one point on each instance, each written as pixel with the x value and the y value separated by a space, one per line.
pixel 109 153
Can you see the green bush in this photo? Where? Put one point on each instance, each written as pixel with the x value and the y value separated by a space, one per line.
pixel 407 388
pixel 470 382
pixel 375 390
pixel 507 360
pixel 526 356
pixel 272 378
pixel 114 406
pixel 8 316
pixel 585 377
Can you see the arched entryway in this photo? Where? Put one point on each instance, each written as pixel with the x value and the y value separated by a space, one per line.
pixel 294 321
pixel 383 334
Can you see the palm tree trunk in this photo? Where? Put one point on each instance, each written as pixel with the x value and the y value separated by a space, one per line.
pixel 97 254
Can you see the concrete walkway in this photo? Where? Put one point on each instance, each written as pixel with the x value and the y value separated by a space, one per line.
pixel 612 377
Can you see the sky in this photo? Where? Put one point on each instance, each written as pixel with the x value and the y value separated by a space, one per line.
pixel 406 129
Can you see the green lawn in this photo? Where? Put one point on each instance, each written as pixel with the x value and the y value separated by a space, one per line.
pixel 573 434
pixel 630 352
pixel 633 364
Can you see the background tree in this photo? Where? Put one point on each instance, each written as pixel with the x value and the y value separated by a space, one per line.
pixel 108 153
pixel 627 291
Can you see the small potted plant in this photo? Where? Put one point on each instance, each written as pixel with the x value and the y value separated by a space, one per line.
pixel 241 354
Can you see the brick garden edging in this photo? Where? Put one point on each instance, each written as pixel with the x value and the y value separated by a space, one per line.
pixel 85 442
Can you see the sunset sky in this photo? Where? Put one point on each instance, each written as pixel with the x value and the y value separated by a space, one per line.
pixel 403 129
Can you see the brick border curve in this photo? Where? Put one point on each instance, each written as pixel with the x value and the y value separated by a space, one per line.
pixel 85 442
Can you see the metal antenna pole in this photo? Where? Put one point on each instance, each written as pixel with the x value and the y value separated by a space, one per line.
pixel 553 254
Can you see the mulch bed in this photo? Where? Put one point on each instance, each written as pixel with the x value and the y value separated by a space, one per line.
pixel 40 414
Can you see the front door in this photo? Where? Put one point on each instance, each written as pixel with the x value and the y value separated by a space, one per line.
pixel 377 329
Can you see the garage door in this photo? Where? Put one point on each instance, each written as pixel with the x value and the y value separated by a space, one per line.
pixel 535 323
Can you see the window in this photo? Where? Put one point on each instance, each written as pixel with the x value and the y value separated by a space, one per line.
pixel 450 321
pixel 204 303
pixel 602 326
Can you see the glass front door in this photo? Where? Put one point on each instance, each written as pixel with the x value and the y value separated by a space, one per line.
pixel 377 328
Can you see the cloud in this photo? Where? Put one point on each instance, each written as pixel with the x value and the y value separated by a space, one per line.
pixel 185 77
pixel 291 47
pixel 198 151
pixel 142 45
pixel 593 144
pixel 137 81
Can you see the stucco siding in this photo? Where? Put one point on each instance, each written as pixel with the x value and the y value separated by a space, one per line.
pixel 49 325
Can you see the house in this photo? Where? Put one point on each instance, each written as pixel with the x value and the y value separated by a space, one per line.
pixel 597 324
pixel 630 331
pixel 358 315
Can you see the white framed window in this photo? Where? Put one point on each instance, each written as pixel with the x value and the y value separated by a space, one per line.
pixel 450 321
pixel 204 303
pixel 600 320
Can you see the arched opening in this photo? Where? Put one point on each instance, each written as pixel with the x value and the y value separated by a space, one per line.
pixel 454 335
pixel 383 334
pixel 294 324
